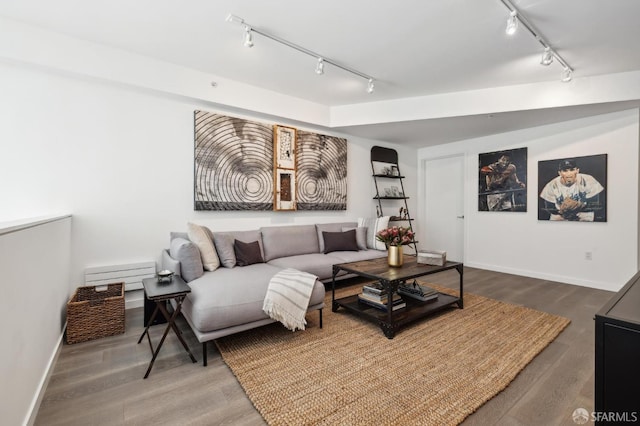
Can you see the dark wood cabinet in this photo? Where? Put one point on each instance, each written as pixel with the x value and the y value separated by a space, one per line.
pixel 617 355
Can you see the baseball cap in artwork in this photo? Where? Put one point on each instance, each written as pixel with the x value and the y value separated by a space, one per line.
pixel 567 164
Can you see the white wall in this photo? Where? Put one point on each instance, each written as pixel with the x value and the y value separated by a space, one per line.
pixel 520 244
pixel 121 160
pixel 34 259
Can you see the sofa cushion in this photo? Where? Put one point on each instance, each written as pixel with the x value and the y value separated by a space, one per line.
pixel 339 241
pixel 282 241
pixel 200 237
pixel 247 253
pixel 331 227
pixel 318 264
pixel 361 236
pixel 224 244
pixel 374 225
pixel 187 253
pixel 355 256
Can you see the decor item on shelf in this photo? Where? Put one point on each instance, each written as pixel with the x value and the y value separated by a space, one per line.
pixel 394 238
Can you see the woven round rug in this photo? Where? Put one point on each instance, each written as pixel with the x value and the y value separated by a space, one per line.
pixel 436 371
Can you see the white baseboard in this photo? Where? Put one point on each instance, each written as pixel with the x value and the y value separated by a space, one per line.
pixel 549 277
pixel 44 381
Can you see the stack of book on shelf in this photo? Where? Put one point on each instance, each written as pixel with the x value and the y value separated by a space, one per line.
pixel 417 291
pixel 376 295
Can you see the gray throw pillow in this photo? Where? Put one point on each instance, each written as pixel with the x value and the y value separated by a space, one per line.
pixel 187 253
pixel 340 241
pixel 361 236
pixel 224 247
pixel 247 253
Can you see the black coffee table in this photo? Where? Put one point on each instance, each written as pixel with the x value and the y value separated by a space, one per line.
pixel 390 278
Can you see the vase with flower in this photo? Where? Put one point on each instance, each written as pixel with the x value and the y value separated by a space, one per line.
pixel 394 238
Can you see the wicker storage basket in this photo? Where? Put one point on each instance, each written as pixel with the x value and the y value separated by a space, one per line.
pixel 94 312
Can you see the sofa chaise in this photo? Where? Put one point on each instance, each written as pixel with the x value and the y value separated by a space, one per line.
pixel 229 298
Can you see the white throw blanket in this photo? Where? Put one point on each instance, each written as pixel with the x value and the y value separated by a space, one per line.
pixel 288 297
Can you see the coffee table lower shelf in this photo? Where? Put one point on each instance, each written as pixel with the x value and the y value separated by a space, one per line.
pixel 389 324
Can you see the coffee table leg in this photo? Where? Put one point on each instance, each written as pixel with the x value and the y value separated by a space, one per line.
pixel 334 305
pixel 388 330
pixel 460 268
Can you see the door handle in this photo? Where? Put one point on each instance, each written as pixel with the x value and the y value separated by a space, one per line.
pixel 460 217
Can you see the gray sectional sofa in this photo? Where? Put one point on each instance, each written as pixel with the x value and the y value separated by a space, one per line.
pixel 229 299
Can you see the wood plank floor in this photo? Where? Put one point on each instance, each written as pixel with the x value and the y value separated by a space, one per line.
pixel 100 382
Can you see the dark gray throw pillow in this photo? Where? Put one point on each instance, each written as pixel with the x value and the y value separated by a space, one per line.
pixel 340 241
pixel 247 253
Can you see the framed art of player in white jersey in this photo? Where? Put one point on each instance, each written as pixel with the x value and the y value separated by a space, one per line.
pixel 573 189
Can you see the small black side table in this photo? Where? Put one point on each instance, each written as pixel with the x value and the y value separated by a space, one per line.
pixel 160 293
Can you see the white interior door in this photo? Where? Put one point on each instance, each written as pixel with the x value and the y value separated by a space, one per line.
pixel 444 206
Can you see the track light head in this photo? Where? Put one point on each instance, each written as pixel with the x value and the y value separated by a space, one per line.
pixel 235 19
pixel 512 23
pixel 370 86
pixel 567 75
pixel 547 57
pixel 248 38
pixel 320 66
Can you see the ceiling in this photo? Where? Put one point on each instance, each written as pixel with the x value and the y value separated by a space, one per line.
pixel 411 48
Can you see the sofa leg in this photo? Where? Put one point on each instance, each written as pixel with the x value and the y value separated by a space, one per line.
pixel 204 354
pixel 320 317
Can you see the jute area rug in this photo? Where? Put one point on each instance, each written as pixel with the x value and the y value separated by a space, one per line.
pixel 435 372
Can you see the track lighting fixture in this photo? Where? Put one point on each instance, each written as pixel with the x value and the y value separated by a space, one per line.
pixel 248 38
pixel 370 86
pixel 512 23
pixel 320 66
pixel 549 54
pixel 248 42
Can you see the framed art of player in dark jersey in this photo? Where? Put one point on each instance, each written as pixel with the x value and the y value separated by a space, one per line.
pixel 502 181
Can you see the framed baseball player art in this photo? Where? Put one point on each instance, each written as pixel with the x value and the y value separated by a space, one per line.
pixel 573 189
